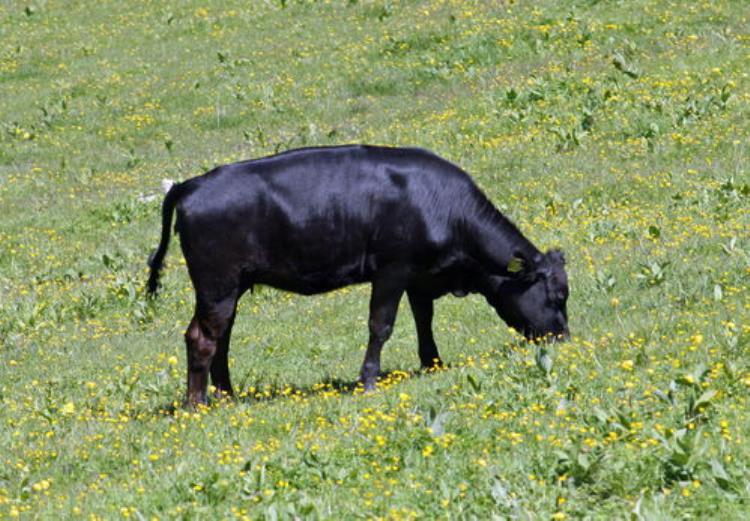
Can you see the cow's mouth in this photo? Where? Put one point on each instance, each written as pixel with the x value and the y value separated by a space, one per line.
pixel 538 337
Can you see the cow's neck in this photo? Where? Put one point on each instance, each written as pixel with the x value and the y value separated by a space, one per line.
pixel 491 241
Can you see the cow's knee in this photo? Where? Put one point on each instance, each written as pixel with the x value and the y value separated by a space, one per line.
pixel 380 331
pixel 201 346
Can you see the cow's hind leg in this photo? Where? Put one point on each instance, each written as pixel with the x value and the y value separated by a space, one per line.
pixel 204 339
pixel 422 309
pixel 220 364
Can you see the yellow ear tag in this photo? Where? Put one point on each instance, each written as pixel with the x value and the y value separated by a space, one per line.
pixel 515 265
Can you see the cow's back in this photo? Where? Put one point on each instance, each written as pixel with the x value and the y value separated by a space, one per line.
pixel 311 220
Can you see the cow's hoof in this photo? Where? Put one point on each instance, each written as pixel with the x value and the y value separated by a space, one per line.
pixel 433 365
pixel 222 394
pixel 192 404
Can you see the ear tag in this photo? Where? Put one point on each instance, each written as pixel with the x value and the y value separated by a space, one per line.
pixel 515 265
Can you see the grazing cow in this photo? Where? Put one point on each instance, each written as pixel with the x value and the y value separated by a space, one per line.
pixel 316 219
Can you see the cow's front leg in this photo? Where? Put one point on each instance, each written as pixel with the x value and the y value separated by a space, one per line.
pixel 386 294
pixel 422 309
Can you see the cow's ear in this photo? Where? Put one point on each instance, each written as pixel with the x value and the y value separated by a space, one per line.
pixel 521 266
pixel 516 266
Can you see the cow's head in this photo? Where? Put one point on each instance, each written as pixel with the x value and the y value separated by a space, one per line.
pixel 532 298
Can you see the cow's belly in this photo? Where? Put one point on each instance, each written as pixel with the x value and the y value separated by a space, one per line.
pixel 311 282
pixel 311 271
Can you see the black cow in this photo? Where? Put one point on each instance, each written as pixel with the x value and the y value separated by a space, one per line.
pixel 316 219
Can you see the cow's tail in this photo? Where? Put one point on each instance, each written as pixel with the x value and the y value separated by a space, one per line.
pixel 156 259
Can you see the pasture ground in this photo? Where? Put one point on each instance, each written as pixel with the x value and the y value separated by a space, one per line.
pixel 618 131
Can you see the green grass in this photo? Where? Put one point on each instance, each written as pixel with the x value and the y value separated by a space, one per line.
pixel 617 131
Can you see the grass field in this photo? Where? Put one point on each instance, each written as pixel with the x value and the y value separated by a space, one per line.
pixel 616 130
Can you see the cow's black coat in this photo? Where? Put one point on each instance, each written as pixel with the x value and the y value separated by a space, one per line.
pixel 316 219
